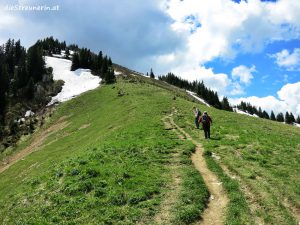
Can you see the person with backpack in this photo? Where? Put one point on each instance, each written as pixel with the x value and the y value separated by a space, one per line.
pixel 197 114
pixel 206 122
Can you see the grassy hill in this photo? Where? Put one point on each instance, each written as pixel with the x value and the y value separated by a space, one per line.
pixel 106 157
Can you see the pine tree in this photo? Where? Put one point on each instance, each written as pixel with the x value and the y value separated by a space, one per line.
pixel 280 117
pixel 75 62
pixel 287 118
pixel 4 81
pixel 298 120
pixel 152 74
pixel 30 89
pixel 272 117
pixel 265 115
pixel 67 54
pixel 260 113
pixel 36 63
pixel 292 118
pixel 225 104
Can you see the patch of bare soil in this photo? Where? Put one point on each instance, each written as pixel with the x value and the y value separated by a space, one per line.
pixel 215 212
pixel 35 145
pixel 84 126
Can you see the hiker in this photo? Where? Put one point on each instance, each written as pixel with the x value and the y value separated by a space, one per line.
pixel 206 122
pixel 197 114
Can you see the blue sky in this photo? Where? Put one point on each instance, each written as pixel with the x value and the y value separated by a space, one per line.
pixel 246 50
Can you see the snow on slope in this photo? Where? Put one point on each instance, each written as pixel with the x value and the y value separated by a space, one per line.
pixel 244 113
pixel 76 82
pixel 196 97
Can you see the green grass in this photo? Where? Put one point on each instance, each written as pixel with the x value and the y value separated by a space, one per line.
pixel 194 195
pixel 114 171
pixel 263 153
pixel 117 169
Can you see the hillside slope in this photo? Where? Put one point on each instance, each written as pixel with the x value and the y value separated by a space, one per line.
pixel 114 162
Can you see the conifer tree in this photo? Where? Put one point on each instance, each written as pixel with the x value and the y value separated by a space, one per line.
pixel 280 117
pixel 152 74
pixel 225 104
pixel 287 118
pixel 292 118
pixel 272 116
pixel 265 115
pixel 298 120
pixel 75 62
pixel 260 113
pixel 36 63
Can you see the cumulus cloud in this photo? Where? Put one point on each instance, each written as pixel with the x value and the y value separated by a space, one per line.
pixel 288 100
pixel 141 32
pixel 243 73
pixel 169 35
pixel 222 29
pixel 287 60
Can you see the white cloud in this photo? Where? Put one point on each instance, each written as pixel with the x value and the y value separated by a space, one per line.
pixel 290 93
pixel 243 74
pixel 222 29
pixel 288 100
pixel 236 89
pixel 216 81
pixel 228 27
pixel 289 61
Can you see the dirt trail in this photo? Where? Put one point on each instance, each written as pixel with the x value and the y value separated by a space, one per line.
pixel 35 145
pixel 252 199
pixel 215 212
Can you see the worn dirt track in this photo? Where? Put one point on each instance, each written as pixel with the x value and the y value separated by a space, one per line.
pixel 215 212
pixel 35 145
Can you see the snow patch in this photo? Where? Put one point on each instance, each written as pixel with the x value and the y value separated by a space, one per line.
pixel 193 94
pixel 117 73
pixel 29 113
pixel 297 124
pixel 76 82
pixel 244 113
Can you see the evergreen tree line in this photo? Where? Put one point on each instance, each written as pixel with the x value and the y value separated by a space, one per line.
pixel 289 118
pixel 210 96
pixel 25 82
pixel 51 46
pixel 99 65
pixel 82 58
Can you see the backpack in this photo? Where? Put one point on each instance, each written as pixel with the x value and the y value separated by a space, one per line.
pixel 198 114
pixel 205 120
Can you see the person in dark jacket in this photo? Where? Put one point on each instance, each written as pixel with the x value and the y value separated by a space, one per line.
pixel 197 114
pixel 206 121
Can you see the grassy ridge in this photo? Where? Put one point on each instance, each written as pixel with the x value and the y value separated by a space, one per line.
pixel 108 166
pixel 264 154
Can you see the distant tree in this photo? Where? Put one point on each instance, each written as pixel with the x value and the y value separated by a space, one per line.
pixel 4 82
pixel 67 56
pixel 280 117
pixel 225 104
pixel 75 62
pixel 292 118
pixel 265 115
pixel 152 74
pixel 30 89
pixel 147 74
pixel 287 118
pixel 36 63
pixel 260 113
pixel 272 116
pixel 298 120
pixel 110 76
